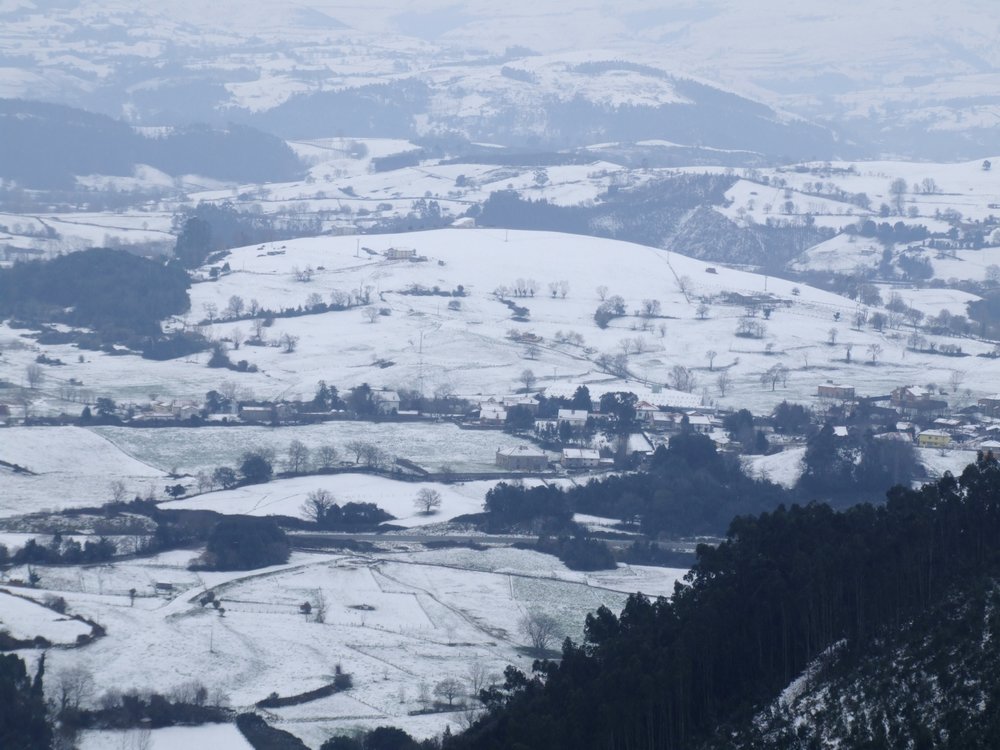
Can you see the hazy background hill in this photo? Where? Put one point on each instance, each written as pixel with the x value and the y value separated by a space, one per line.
pixel 909 79
pixel 47 145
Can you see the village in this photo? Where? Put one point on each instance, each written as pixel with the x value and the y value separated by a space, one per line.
pixel 566 429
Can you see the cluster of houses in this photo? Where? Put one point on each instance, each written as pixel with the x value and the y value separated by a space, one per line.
pixel 927 420
pixel 656 422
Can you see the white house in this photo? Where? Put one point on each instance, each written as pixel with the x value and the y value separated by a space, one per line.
pixel 646 411
pixel 400 253
pixel 573 417
pixel 700 423
pixel 580 458
pixel 520 400
pixel 386 401
pixel 492 414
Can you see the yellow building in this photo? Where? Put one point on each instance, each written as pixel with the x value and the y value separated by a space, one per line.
pixel 933 439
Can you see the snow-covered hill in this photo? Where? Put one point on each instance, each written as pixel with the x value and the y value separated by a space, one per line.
pixel 470 345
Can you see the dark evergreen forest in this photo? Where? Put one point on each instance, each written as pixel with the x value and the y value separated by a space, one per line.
pixel 783 588
pixel 111 291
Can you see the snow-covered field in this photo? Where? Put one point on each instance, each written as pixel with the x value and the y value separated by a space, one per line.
pixel 71 467
pixel 215 736
pixel 286 497
pixel 782 468
pixel 399 622
pixel 25 619
pixel 430 445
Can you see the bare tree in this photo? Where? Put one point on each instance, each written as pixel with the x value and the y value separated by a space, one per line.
pixel 319 611
pixel 374 457
pixel 874 351
pixel 684 285
pixel 710 355
pixel 750 328
pixel 427 500
pixel 650 308
pixel 563 288
pixel 531 351
pixel 298 457
pixel 682 379
pixel 357 447
pixel 477 677
pixel 722 382
pixel 897 189
pixel 701 312
pixel 74 686
pixel 774 375
pixel 370 314
pixel 448 689
pixel 528 378
pixel 847 351
pixel 956 379
pixel 326 456
pixel 118 490
pixel 831 336
pixel 317 504
pixel 204 480
pixel 235 307
pixel 602 292
pixel 34 374
pixel 539 628
pixel 289 342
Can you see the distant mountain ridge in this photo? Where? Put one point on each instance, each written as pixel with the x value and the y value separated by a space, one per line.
pixel 915 79
pixel 47 145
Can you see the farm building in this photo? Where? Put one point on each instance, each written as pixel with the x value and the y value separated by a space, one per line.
pixel 400 253
pixel 838 392
pixel 522 458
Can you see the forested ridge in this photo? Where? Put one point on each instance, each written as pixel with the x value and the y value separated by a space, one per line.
pixel 753 613
pixel 110 291
pixel 47 145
